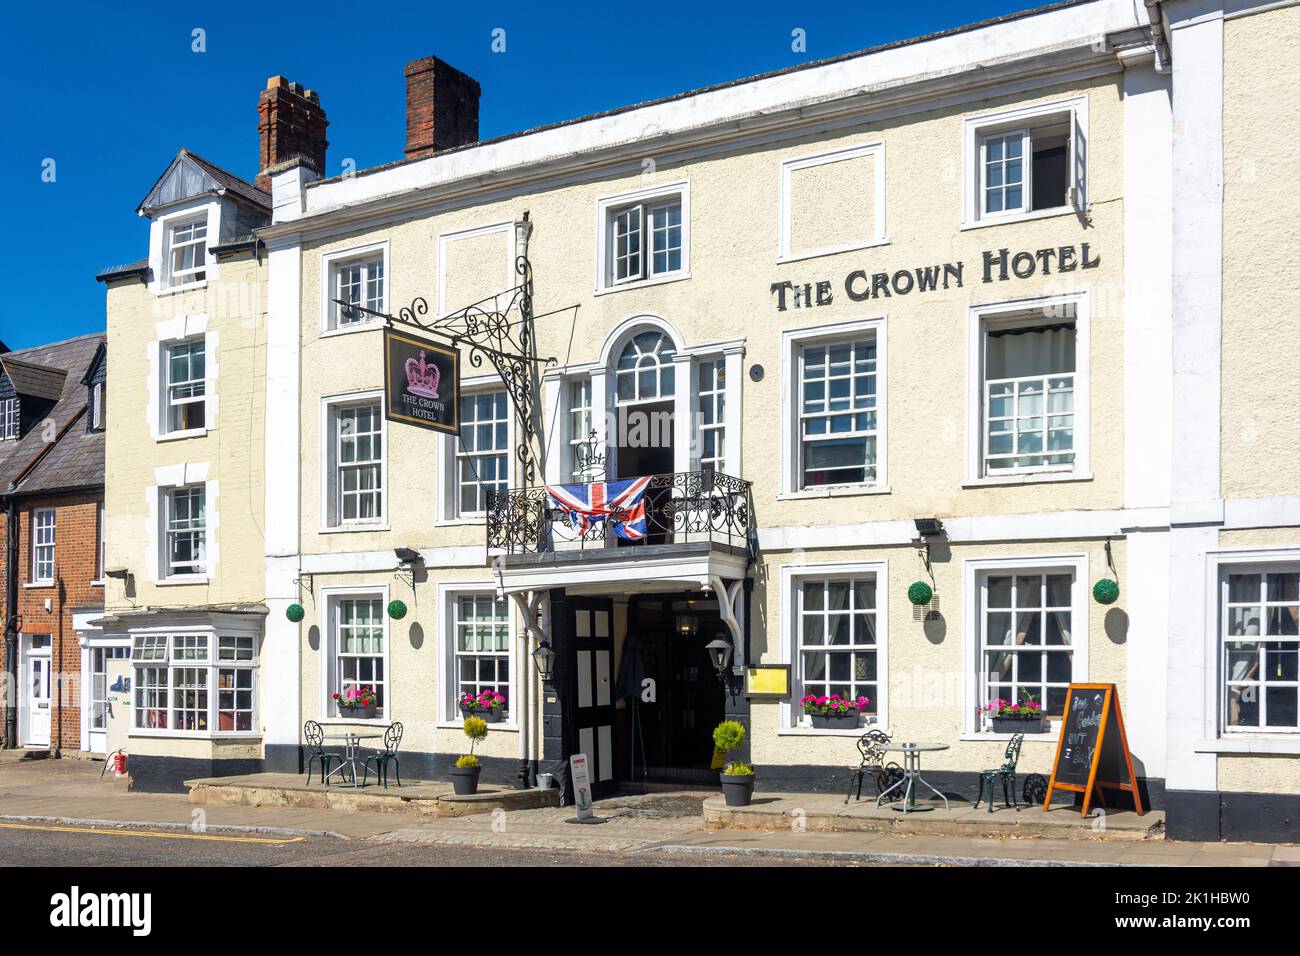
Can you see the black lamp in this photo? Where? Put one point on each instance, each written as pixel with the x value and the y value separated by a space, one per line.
pixel 544 658
pixel 407 555
pixel 720 653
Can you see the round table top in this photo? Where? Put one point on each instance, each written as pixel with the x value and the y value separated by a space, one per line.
pixel 913 747
pixel 346 736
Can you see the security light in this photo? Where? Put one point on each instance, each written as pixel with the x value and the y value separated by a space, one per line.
pixel 929 527
pixel 407 555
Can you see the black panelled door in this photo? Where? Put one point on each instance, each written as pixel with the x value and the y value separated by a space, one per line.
pixel 593 692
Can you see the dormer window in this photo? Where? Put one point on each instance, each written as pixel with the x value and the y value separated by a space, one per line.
pixel 9 418
pixel 97 407
pixel 187 252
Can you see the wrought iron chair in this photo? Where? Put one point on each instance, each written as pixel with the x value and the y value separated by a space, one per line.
pixel 315 738
pixel 872 763
pixel 392 739
pixel 1005 773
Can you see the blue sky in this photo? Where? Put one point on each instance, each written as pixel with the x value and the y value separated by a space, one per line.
pixel 111 92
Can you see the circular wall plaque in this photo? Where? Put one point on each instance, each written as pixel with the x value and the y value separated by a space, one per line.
pixel 756 373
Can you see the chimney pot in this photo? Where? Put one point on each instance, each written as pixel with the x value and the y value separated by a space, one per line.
pixel 290 124
pixel 441 107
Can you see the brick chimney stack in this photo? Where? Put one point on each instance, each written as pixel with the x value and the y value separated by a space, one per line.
pixel 441 107
pixel 290 123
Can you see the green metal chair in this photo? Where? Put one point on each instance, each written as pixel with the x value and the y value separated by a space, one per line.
pixel 315 738
pixel 1005 773
pixel 392 740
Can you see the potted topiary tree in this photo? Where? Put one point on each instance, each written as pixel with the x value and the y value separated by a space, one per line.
pixel 464 776
pixel 737 777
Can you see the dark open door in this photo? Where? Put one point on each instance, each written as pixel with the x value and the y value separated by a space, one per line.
pixel 593 645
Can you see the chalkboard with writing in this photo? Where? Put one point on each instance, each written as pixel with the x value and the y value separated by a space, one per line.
pixel 1092 752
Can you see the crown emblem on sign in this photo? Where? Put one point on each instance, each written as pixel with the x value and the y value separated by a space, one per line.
pixel 422 377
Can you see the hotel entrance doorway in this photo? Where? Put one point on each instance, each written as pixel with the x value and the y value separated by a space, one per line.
pixel 669 737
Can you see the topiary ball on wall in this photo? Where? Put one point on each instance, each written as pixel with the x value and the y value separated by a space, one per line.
pixel 295 613
pixel 920 593
pixel 1106 591
pixel 397 610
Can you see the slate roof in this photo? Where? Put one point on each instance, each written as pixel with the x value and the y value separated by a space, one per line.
pixel 75 459
pixel 197 176
pixel 139 268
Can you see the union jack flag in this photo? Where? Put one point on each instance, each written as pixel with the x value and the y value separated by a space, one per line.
pixel 588 505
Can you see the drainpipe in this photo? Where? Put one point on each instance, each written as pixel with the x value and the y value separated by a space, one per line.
pixel 11 624
pixel 58 662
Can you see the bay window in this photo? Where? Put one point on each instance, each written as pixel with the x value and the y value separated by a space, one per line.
pixel 175 676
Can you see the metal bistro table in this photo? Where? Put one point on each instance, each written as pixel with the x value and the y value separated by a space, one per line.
pixel 351 740
pixel 911 774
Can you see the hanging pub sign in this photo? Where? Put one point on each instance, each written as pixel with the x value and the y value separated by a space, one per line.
pixel 1092 752
pixel 421 383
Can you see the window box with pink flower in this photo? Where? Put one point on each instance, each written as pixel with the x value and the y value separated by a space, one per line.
pixel 357 703
pixel 1026 717
pixel 834 712
pixel 489 705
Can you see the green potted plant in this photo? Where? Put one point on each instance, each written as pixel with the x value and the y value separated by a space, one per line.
pixel 737 777
pixel 833 712
pixel 357 703
pixel 488 704
pixel 464 776
pixel 1025 717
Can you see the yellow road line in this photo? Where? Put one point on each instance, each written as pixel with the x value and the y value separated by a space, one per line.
pixel 163 834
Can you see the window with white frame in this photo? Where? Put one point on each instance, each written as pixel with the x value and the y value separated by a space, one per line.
pixel 185 540
pixel 43 546
pixel 175 675
pixel 644 236
pixel 482 451
pixel 357 644
pixel 356 282
pixel 1027 637
pixel 645 370
pixel 186 391
pixel 357 463
pixel 1027 160
pixel 838 412
pixel 711 389
pixel 97 410
pixel 481 649
pixel 1260 649
pixel 8 418
pixel 1029 393
pixel 578 395
pixel 837 640
pixel 187 252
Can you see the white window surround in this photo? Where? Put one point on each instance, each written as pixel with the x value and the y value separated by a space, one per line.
pixel 1215 738
pixel 792 576
pixel 329 407
pixel 604 208
pixel 328 601
pixel 166 479
pixel 976 127
pixel 160 241
pixel 449 513
pixel 44 527
pixel 977 315
pixel 792 340
pixel 329 263
pixel 170 332
pixel 447 713
pixel 212 665
pixel 791 166
pixel 973 572
pixel 509 279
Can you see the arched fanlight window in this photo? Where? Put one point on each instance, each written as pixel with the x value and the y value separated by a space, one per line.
pixel 645 369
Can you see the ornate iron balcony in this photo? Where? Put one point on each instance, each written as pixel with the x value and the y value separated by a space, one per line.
pixel 684 508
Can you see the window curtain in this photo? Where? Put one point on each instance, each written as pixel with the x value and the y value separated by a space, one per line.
pixel 1017 353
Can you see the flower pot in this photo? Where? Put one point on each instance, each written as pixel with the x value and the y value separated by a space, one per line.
pixel 492 716
pixel 1019 725
pixel 464 780
pixel 358 713
pixel 737 790
pixel 846 721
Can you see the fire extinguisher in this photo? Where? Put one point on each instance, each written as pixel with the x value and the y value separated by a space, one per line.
pixel 119 763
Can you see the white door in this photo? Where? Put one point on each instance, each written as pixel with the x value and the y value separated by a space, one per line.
pixel 35 686
pixel 98 708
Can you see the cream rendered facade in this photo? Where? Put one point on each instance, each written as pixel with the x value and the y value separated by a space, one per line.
pixel 184 497
pixel 797 191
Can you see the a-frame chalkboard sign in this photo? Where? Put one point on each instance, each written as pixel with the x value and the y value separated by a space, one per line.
pixel 1092 752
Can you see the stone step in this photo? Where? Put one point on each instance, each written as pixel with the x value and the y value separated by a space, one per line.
pixel 814 812
pixel 416 798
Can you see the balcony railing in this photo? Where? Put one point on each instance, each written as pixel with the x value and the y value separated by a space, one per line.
pixel 683 508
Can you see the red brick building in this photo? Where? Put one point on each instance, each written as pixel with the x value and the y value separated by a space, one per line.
pixel 51 496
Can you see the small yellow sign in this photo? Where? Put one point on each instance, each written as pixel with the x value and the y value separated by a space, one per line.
pixel 719 759
pixel 767 680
